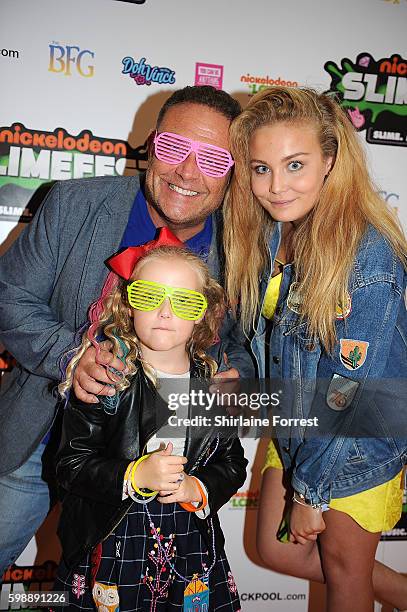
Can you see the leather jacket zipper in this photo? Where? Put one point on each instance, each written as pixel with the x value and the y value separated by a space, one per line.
pixel 127 509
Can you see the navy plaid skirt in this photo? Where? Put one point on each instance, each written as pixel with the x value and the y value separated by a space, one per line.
pixel 155 561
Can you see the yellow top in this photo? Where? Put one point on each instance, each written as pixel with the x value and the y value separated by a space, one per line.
pixel 271 295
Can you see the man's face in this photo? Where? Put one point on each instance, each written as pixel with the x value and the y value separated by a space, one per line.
pixel 180 196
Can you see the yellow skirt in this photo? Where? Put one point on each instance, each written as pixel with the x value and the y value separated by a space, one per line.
pixel 377 509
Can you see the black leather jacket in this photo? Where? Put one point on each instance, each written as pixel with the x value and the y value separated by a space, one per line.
pixel 96 449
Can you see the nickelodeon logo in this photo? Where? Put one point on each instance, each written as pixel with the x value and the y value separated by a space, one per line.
pixel 245 499
pixel 59 155
pixel 256 84
pixel 31 573
pixel 30 156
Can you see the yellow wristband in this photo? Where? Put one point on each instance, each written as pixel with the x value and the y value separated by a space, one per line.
pixel 129 467
pixel 133 484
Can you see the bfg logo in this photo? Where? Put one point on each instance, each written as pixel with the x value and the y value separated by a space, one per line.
pixel 64 58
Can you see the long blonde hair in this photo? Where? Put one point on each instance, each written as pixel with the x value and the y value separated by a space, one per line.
pixel 116 323
pixel 325 243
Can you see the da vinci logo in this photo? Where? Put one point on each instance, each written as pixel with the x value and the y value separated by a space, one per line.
pixel 374 93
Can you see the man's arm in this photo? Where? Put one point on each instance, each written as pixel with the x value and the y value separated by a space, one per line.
pixel 28 327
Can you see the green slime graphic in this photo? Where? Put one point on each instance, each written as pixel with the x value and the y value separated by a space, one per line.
pixel 27 183
pixel 375 107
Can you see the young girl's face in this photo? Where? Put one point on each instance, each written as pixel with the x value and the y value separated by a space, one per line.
pixel 160 329
pixel 287 169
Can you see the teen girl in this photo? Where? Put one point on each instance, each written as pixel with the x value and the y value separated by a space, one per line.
pixel 139 527
pixel 330 323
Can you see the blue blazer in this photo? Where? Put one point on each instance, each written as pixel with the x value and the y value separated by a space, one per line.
pixel 48 278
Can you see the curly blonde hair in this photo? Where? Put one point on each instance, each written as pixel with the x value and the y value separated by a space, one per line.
pixel 116 323
pixel 325 243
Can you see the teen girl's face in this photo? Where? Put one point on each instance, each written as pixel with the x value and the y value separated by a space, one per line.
pixel 287 169
pixel 161 333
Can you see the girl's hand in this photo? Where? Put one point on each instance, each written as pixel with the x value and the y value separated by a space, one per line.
pixel 305 523
pixel 160 471
pixel 187 491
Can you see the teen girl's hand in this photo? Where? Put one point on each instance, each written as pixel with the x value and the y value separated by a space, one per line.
pixel 306 523
pixel 227 383
pixel 93 378
pixel 161 471
pixel 188 491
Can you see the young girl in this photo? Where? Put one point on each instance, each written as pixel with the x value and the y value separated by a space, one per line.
pixel 330 326
pixel 139 526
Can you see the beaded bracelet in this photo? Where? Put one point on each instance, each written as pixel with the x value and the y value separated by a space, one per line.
pixel 189 506
pixel 133 484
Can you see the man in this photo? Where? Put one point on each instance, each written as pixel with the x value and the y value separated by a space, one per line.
pixel 55 270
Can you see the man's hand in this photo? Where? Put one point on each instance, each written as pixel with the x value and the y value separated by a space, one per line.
pixel 306 523
pixel 93 378
pixel 187 491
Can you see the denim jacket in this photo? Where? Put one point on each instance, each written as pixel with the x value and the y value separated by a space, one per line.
pixel 357 393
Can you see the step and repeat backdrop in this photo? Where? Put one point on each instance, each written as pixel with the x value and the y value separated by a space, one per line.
pixel 81 86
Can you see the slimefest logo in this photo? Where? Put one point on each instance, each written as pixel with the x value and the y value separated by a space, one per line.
pixel 70 59
pixel 245 500
pixel 29 158
pixel 374 93
pixel 30 573
pixel 145 74
pixel 258 83
pixel 17 578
